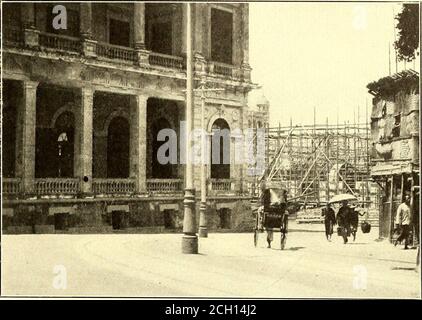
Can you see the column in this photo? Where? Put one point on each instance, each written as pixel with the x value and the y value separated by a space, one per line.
pixel 200 62
pixel 31 35
pixel 28 135
pixel 139 24
pixel 85 162
pixel 85 20
pixel 138 147
pixel 245 41
pixel 88 44
pixel 183 31
pixel 139 33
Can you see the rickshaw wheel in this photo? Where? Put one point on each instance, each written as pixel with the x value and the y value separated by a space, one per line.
pixel 255 237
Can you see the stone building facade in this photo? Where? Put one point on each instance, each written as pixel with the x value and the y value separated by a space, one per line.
pixel 82 107
pixel 395 146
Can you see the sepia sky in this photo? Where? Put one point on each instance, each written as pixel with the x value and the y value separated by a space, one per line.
pixel 320 55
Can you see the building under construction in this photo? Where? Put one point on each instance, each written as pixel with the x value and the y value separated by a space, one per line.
pixel 315 162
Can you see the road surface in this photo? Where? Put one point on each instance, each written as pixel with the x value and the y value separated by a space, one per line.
pixel 151 265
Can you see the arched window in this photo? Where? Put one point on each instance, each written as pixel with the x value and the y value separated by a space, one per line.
pixel 220 150
pixel 118 140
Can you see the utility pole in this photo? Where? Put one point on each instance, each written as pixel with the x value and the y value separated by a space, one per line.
pixel 189 239
pixel 203 230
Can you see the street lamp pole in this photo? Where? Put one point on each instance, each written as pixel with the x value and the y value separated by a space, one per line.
pixel 203 230
pixel 189 239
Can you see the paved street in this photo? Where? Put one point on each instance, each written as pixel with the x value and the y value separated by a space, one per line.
pixel 228 266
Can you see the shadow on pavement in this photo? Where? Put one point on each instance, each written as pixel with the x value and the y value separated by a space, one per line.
pixel 294 248
pixel 404 268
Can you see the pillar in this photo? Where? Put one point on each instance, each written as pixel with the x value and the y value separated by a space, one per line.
pixel 200 62
pixel 138 147
pixel 139 33
pixel 139 24
pixel 88 44
pixel 245 42
pixel 86 131
pixel 28 135
pixel 85 19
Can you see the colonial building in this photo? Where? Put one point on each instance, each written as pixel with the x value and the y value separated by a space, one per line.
pixel 82 107
pixel 395 140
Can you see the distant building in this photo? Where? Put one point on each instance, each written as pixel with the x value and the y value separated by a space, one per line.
pixel 82 107
pixel 395 144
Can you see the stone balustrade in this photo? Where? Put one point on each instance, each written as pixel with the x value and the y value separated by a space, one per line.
pixel 57 186
pixel 113 186
pixel 165 60
pixel 164 185
pixel 110 51
pixel 221 184
pixel 15 37
pixel 222 69
pixel 60 42
pixel 11 186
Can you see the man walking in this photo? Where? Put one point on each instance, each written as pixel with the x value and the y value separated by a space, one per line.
pixel 403 221
pixel 343 220
pixel 329 220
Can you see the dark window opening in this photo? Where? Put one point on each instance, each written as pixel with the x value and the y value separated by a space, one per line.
pixel 118 219
pixel 159 27
pixel 170 115
pixel 225 218
pixel 396 129
pixel 160 171
pixel 119 33
pixel 161 41
pixel 220 169
pixel 11 91
pixel 72 29
pixel 221 36
pixel 61 221
pixel 169 219
pixel 11 14
pixel 118 148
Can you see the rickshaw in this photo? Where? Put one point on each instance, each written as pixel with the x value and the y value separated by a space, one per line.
pixel 272 215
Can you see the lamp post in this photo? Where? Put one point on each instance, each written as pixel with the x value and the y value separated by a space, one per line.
pixel 189 239
pixel 203 230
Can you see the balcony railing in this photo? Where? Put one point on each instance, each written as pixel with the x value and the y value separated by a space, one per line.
pixel 111 51
pixel 13 35
pixel 164 185
pixel 221 69
pixel 57 186
pixel 221 184
pixel 11 186
pixel 113 186
pixel 60 42
pixel 165 60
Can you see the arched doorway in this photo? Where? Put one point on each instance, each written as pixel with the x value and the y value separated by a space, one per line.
pixel 55 148
pixel 220 150
pixel 118 148
pixel 64 140
pixel 158 170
